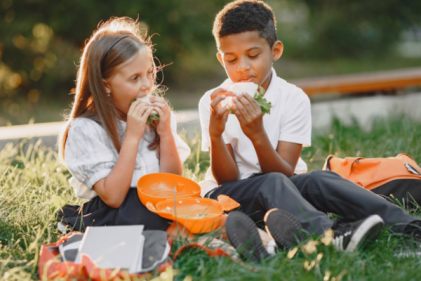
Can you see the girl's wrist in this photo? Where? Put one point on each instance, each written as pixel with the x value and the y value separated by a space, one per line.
pixel 135 139
pixel 166 135
pixel 165 132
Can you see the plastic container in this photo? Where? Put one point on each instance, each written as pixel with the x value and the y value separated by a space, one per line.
pixel 157 187
pixel 198 215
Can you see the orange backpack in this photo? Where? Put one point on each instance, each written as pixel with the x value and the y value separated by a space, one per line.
pixel 400 175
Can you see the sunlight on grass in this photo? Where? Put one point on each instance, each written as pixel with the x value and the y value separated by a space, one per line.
pixel 34 186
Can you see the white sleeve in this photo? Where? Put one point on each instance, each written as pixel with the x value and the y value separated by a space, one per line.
pixel 204 113
pixel 296 124
pixel 182 148
pixel 87 155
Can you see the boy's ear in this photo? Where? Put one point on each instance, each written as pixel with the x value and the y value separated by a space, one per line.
pixel 219 56
pixel 277 50
pixel 107 87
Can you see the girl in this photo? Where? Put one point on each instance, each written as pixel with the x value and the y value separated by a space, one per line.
pixel 107 145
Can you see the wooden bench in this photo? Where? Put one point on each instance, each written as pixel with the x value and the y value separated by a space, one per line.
pixel 362 82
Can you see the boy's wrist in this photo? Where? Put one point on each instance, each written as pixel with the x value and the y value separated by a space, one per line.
pixel 259 138
pixel 216 137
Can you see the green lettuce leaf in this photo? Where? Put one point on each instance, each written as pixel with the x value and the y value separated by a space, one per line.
pixel 152 118
pixel 265 105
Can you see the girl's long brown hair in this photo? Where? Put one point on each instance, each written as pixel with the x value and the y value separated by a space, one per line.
pixel 91 100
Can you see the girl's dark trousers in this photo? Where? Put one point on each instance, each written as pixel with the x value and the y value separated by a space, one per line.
pixel 96 213
pixel 309 197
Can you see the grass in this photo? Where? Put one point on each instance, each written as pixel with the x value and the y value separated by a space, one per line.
pixel 34 186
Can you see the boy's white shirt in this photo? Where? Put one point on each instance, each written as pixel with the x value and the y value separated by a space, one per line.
pixel 289 120
pixel 90 154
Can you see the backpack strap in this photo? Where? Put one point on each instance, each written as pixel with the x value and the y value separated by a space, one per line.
pixel 343 167
pixel 326 166
pixel 218 252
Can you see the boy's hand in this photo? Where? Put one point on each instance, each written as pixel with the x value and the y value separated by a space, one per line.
pixel 218 114
pixel 161 107
pixel 249 115
pixel 136 119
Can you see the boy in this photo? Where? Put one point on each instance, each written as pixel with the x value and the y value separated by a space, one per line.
pixel 255 159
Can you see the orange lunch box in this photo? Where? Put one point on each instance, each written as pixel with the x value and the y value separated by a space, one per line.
pixel 177 198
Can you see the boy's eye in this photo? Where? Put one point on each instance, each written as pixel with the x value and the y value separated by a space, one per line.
pixel 135 78
pixel 233 60
pixel 254 56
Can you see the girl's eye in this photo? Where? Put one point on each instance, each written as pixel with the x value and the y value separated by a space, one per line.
pixel 135 78
pixel 233 60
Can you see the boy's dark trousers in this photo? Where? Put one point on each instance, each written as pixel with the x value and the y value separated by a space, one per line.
pixel 309 197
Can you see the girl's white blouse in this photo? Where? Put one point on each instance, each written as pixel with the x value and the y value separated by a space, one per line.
pixel 90 154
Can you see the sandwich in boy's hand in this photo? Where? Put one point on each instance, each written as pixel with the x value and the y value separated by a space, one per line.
pixel 154 115
pixel 251 89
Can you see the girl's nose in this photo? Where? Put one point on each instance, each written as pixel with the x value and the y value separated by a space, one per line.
pixel 145 84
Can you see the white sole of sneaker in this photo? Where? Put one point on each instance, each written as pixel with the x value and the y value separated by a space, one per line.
pixel 284 228
pixel 369 230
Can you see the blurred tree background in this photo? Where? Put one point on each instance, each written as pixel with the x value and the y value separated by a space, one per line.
pixel 41 41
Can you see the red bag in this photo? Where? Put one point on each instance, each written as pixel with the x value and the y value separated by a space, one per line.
pixel 50 267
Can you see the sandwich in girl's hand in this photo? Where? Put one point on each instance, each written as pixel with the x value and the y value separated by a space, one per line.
pixel 154 115
pixel 251 89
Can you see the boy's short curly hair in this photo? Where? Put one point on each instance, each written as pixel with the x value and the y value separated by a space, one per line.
pixel 246 15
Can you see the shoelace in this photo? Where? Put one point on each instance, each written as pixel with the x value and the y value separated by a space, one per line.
pixel 341 222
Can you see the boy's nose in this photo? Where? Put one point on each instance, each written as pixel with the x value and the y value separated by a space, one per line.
pixel 243 66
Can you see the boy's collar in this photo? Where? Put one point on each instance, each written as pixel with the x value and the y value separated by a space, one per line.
pixel 272 80
pixel 271 84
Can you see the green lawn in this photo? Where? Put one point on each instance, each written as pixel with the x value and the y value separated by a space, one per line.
pixel 34 185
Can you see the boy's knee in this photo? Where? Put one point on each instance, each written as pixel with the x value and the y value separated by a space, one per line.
pixel 317 175
pixel 276 177
pixel 321 175
pixel 275 181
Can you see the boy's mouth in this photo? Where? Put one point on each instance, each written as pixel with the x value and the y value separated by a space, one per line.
pixel 246 79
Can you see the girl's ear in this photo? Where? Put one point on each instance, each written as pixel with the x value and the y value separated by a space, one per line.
pixel 277 50
pixel 107 87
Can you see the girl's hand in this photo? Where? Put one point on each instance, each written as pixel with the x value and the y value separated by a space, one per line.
pixel 218 113
pixel 161 107
pixel 136 119
pixel 249 115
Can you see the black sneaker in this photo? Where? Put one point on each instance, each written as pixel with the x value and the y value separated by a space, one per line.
pixel 243 235
pixel 284 228
pixel 412 234
pixel 353 235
